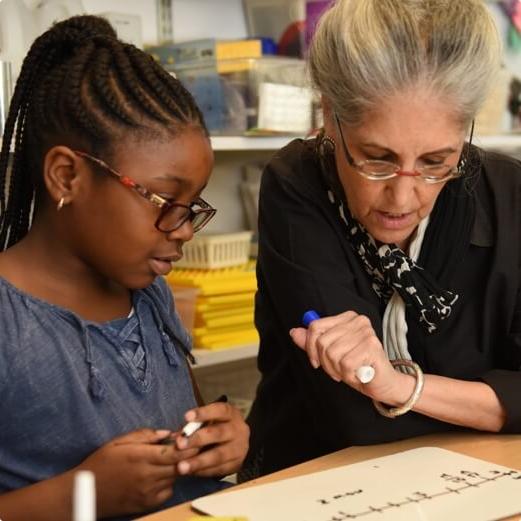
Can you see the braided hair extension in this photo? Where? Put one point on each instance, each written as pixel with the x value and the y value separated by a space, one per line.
pixel 81 86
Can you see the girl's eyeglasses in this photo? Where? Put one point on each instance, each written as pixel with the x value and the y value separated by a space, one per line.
pixel 173 215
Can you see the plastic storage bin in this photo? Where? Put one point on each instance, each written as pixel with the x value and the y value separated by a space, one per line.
pixel 216 251
pixel 185 301
pixel 283 21
pixel 244 95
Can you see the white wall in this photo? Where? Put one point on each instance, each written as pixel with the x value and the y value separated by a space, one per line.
pixel 191 18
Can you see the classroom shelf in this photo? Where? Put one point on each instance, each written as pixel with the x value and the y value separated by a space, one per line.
pixel 237 143
pixel 503 142
pixel 230 143
pixel 207 357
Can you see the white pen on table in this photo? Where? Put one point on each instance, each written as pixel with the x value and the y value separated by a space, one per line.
pixel 84 496
pixel 365 373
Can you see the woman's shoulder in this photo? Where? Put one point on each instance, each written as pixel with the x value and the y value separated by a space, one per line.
pixel 501 169
pixel 498 198
pixel 294 170
pixel 296 162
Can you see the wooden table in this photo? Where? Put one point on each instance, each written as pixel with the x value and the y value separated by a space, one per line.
pixel 500 449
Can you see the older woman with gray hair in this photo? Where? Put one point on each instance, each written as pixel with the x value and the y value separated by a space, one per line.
pixel 401 234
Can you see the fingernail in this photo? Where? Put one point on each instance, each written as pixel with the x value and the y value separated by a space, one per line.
pixel 182 443
pixel 163 432
pixel 183 467
pixel 190 416
pixel 291 332
pixel 315 364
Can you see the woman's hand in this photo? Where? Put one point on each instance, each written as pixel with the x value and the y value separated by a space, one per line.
pixel 133 472
pixel 341 344
pixel 222 443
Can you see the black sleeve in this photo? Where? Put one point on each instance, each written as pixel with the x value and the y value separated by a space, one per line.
pixel 507 382
pixel 305 263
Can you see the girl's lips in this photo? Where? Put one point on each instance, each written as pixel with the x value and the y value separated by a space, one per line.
pixel 163 266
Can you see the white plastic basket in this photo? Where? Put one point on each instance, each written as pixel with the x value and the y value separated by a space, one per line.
pixel 216 251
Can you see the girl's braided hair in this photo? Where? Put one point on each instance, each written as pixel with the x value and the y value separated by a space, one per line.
pixel 81 86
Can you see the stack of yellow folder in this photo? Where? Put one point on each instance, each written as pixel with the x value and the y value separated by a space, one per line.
pixel 224 305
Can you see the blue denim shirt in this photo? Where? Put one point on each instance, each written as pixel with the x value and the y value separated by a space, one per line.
pixel 68 386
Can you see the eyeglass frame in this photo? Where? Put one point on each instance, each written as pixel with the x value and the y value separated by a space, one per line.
pixel 164 204
pixel 456 171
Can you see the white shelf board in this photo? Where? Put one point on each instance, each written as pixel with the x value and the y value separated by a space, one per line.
pixel 208 357
pixel 504 141
pixel 230 143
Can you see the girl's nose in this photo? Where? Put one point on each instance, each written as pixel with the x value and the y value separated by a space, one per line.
pixel 184 233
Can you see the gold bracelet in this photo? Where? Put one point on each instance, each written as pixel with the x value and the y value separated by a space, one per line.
pixel 392 412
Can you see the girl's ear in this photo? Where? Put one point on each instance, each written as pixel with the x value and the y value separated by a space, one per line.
pixel 60 174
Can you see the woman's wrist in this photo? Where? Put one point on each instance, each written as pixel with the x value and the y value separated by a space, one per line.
pixel 393 412
pixel 403 389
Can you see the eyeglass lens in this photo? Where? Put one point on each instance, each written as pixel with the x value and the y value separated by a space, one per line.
pixel 176 216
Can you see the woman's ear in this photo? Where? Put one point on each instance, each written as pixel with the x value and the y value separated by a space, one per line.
pixel 328 114
pixel 60 174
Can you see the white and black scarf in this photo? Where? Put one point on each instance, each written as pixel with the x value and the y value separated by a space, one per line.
pixel 392 270
pixel 441 247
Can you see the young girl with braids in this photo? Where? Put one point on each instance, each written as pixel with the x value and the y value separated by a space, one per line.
pixel 110 158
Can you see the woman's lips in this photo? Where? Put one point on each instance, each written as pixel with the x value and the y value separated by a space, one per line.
pixel 394 221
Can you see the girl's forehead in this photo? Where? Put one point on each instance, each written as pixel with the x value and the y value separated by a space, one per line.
pixel 186 159
pixel 178 152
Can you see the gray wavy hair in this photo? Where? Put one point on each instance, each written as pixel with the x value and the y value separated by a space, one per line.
pixel 365 51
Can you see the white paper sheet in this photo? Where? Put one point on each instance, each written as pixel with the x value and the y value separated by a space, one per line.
pixel 425 484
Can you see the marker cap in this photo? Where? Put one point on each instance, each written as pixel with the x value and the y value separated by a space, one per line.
pixel 308 317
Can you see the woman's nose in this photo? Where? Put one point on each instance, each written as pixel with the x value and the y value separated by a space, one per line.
pixel 402 190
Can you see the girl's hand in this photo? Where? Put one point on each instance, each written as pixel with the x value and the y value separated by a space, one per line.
pixel 222 443
pixel 341 344
pixel 133 472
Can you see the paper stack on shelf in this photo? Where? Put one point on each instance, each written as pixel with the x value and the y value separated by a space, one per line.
pixel 224 305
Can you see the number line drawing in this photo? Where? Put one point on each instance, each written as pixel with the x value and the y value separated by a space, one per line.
pixel 467 479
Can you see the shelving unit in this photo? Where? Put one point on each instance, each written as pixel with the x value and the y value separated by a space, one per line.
pixel 234 146
pixel 230 143
pixel 504 142
pixel 237 143
pixel 206 357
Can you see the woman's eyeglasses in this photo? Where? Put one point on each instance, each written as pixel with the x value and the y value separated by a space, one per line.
pixel 375 169
pixel 172 215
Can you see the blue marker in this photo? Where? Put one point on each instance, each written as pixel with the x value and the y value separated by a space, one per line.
pixel 364 373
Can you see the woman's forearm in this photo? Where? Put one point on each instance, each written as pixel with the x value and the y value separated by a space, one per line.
pixel 469 404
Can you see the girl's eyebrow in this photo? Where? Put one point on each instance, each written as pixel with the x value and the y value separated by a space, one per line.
pixel 180 180
pixel 171 177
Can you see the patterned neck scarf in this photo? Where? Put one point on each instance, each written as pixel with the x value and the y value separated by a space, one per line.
pixel 392 270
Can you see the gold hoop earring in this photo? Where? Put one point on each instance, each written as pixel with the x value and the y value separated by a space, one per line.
pixel 61 204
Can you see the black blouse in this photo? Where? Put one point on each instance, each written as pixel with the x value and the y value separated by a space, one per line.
pixel 305 262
